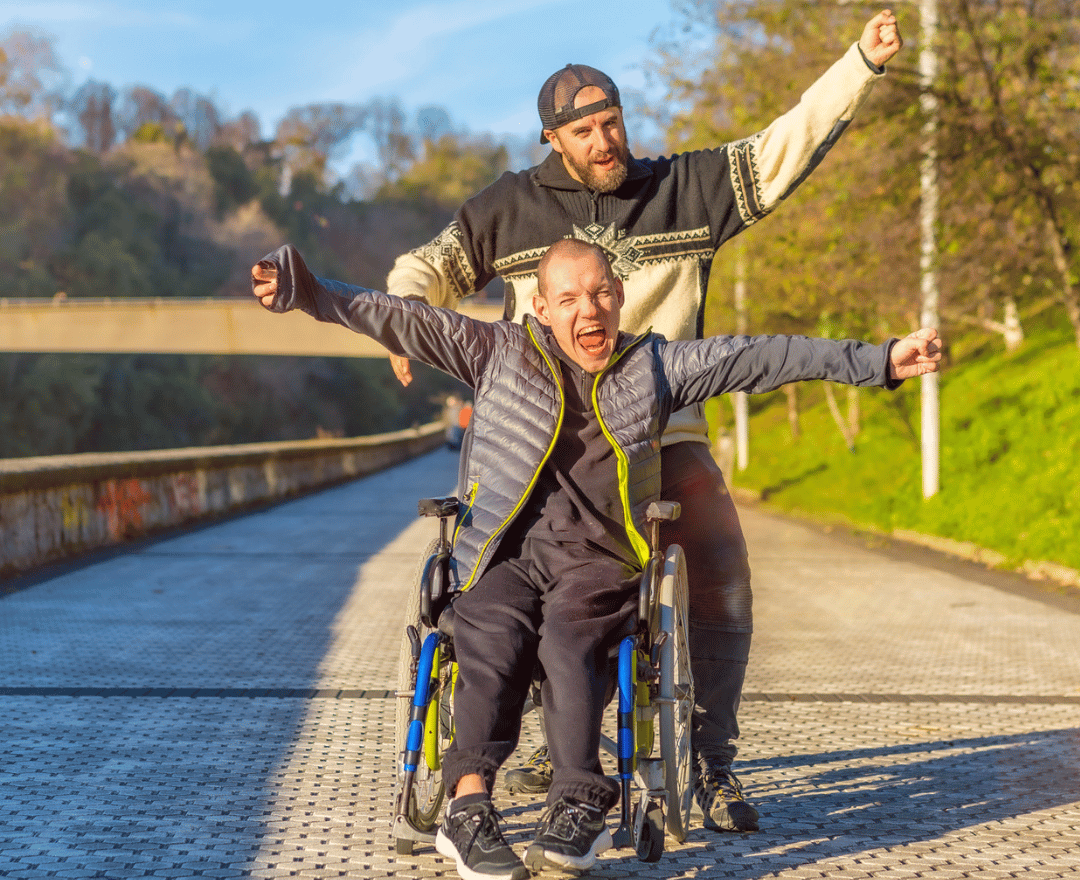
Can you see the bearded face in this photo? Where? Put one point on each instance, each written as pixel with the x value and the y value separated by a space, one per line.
pixel 594 149
pixel 602 172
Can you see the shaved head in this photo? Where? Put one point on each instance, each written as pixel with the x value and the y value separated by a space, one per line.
pixel 579 298
pixel 570 249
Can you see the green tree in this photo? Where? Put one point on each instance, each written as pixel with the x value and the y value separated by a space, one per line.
pixel 843 247
pixel 234 182
pixel 1010 113
pixel 449 170
pixel 47 402
pixel 33 206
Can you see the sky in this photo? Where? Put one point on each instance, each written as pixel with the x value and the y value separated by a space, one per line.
pixel 482 60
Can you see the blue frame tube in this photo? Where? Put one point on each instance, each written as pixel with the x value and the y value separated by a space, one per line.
pixel 627 699
pixel 414 741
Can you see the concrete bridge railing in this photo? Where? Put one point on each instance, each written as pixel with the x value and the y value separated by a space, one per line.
pixel 57 507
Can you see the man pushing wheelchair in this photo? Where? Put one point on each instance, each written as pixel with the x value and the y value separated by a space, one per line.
pixel 549 547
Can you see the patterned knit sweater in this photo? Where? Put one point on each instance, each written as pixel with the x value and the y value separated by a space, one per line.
pixel 660 229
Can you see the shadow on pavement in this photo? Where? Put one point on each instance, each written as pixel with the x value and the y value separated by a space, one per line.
pixel 842 803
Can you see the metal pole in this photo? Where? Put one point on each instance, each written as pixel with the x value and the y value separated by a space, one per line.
pixel 931 434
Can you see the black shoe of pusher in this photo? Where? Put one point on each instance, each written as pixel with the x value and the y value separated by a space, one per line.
pixel 534 776
pixel 719 794
pixel 570 836
pixel 470 835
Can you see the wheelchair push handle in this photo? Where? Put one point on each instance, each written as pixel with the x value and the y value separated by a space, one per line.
pixel 440 507
pixel 656 513
pixel 663 511
pixel 435 583
pixel 660 512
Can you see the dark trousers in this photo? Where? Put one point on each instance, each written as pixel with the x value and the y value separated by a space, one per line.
pixel 721 619
pixel 565 607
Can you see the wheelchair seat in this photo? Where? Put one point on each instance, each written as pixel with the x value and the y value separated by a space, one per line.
pixel 445 623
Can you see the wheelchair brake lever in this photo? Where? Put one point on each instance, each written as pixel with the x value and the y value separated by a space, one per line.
pixel 414 641
pixel 654 654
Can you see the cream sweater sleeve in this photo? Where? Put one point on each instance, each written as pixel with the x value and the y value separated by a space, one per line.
pixel 779 158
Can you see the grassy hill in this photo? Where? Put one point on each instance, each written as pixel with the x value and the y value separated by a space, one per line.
pixel 1010 453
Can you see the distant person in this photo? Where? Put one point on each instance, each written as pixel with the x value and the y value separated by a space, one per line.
pixel 549 546
pixel 454 431
pixel 660 221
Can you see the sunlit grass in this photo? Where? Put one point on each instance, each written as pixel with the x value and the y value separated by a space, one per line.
pixel 1010 468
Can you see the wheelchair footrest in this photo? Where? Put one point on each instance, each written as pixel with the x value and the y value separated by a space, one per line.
pixel 404 829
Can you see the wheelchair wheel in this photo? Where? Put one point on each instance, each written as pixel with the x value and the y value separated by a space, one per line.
pixel 422 811
pixel 676 692
pixel 650 844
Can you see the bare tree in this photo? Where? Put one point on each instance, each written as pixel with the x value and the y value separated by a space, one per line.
pixel 92 107
pixel 433 123
pixel 199 116
pixel 309 136
pixel 140 106
pixel 32 79
pixel 241 132
pixel 385 122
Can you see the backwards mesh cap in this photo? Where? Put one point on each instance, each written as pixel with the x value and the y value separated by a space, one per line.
pixel 556 101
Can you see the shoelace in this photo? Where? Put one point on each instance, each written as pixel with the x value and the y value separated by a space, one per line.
pixel 720 782
pixel 539 758
pixel 486 818
pixel 565 818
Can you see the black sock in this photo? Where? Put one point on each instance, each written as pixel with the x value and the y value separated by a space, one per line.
pixel 467 800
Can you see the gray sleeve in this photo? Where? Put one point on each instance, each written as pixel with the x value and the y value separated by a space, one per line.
pixel 696 370
pixel 439 337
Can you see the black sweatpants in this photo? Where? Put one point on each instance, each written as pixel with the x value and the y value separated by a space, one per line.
pixel 566 606
pixel 718 575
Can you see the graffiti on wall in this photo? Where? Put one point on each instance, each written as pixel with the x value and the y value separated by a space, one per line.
pixel 42 523
pixel 121 502
pixel 182 491
pixel 75 511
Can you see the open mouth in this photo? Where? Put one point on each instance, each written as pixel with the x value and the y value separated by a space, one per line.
pixel 592 339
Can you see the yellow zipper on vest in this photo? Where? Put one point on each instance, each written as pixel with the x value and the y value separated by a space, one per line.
pixel 640 545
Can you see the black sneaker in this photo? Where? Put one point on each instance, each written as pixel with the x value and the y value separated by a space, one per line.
pixel 719 794
pixel 470 835
pixel 570 835
pixel 534 777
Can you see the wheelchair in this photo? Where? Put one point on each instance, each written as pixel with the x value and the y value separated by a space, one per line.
pixel 655 698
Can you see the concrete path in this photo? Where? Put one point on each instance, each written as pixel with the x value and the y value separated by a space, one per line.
pixel 220 705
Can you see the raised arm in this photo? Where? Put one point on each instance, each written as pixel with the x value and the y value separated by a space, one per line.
pixel 881 39
pixel 440 272
pixel 766 167
pixel 442 338
pixel 699 369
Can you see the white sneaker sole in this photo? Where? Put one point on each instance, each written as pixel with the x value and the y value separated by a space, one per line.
pixel 578 863
pixel 445 847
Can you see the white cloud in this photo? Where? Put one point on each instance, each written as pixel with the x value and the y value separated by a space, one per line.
pixel 386 55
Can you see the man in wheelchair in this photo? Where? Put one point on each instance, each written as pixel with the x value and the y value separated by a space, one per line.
pixel 562 461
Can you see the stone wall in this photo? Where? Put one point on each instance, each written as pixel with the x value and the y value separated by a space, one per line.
pixel 56 507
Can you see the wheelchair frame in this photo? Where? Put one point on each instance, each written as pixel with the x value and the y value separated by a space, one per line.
pixel 655 695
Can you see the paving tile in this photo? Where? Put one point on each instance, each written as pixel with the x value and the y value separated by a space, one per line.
pixel 221 704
